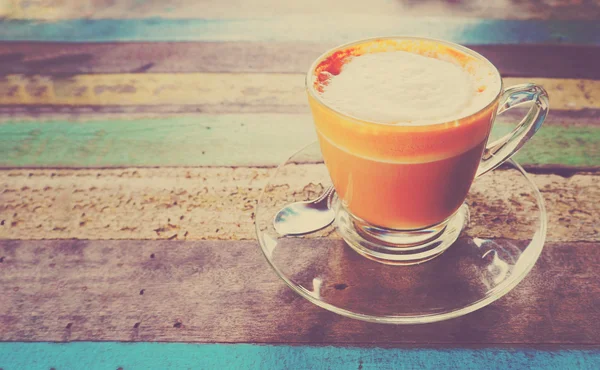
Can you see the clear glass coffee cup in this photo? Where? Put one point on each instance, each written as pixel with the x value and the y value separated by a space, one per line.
pixel 401 188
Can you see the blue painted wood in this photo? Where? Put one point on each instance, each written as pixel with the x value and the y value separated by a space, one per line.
pixel 295 28
pixel 128 356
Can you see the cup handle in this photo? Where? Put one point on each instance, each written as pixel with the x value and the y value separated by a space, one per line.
pixel 502 149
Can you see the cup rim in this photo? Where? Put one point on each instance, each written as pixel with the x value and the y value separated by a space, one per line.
pixel 309 85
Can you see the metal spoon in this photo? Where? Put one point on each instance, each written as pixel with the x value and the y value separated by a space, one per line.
pixel 305 217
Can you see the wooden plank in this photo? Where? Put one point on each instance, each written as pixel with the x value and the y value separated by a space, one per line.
pixel 293 27
pixel 553 61
pixel 225 292
pixel 220 203
pixel 569 140
pixel 69 9
pixel 111 355
pixel 221 92
pixel 564 61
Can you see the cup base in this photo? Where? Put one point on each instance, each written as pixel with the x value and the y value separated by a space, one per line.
pixel 399 247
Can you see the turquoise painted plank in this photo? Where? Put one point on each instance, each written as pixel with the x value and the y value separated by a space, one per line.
pixel 230 140
pixel 219 140
pixel 129 356
pixel 305 28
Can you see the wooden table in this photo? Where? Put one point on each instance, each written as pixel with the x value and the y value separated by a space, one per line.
pixel 135 137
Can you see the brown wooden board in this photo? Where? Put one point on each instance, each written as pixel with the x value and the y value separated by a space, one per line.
pixel 221 291
pixel 555 61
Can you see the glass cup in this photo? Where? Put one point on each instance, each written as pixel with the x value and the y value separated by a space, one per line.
pixel 401 188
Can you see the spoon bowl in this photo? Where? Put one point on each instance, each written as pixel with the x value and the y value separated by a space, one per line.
pixel 301 218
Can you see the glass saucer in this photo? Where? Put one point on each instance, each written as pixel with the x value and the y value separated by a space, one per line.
pixel 497 249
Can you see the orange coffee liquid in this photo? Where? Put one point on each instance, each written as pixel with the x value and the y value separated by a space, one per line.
pixel 394 175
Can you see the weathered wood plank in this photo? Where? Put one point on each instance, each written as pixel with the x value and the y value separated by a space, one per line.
pixel 177 291
pixel 312 27
pixel 111 355
pixel 553 61
pixel 221 92
pixel 219 203
pixel 69 9
pixel 569 140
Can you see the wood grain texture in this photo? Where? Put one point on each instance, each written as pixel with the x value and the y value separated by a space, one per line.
pixel 568 140
pixel 302 27
pixel 552 61
pixel 503 9
pixel 111 355
pixel 221 92
pixel 225 292
pixel 219 203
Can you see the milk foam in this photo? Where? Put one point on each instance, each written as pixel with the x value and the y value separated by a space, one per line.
pixel 407 88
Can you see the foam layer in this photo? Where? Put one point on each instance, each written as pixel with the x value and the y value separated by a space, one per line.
pixel 407 88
